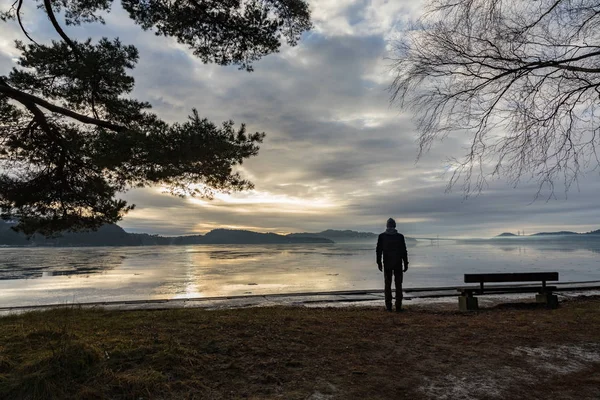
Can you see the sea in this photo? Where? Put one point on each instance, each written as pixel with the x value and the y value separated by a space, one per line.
pixel 48 275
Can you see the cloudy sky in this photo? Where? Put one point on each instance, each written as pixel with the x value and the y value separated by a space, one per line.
pixel 336 155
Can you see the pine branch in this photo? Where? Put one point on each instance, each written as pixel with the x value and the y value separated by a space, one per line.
pixel 18 12
pixel 25 98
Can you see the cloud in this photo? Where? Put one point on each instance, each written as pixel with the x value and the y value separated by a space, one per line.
pixel 336 155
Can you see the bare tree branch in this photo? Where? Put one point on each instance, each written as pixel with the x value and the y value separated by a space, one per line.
pixel 522 78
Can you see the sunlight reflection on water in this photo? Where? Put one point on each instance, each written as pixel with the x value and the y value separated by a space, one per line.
pixel 30 276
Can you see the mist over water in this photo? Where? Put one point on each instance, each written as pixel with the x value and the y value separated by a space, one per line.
pixel 33 276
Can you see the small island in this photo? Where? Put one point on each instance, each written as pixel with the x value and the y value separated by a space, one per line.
pixel 552 234
pixel 506 234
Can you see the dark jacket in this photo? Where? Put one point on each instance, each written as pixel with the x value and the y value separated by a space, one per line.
pixel 392 246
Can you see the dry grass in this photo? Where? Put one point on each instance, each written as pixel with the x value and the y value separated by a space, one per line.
pixel 517 352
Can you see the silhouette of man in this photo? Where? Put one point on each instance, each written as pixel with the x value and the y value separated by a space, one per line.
pixel 392 246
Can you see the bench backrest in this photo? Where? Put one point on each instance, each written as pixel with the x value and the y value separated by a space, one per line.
pixel 512 277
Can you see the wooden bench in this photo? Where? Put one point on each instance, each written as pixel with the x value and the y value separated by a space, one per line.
pixel 467 301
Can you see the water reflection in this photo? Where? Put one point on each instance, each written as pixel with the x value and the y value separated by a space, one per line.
pixel 551 245
pixel 29 263
pixel 39 276
pixel 233 255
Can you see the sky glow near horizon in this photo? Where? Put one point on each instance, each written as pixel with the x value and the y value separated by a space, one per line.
pixel 336 154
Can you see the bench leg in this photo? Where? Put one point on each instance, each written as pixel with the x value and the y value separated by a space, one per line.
pixel 467 303
pixel 551 300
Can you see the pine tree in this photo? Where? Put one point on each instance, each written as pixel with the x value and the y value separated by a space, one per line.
pixel 71 138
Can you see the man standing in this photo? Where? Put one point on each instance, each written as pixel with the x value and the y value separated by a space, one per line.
pixel 392 246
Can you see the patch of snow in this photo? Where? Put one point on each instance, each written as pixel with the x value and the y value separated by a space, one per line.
pixel 452 387
pixel 565 359
pixel 326 393
pixel 320 396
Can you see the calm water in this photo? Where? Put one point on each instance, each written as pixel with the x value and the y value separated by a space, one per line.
pixel 30 276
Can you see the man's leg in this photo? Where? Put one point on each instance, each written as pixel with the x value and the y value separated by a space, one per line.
pixel 398 283
pixel 387 274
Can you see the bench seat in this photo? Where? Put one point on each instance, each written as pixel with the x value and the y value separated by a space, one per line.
pixel 506 289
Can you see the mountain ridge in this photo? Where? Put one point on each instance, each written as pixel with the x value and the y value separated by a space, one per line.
pixel 347 235
pixel 114 235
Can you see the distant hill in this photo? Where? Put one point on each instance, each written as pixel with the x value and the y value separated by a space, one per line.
pixel 346 234
pixel 549 236
pixel 560 233
pixel 337 235
pixel 114 235
pixel 107 235
pixel 229 236
pixel 340 236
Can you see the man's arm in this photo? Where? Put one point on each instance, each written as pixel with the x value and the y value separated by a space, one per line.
pixel 378 252
pixel 404 254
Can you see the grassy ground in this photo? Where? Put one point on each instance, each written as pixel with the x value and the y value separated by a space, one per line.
pixel 517 352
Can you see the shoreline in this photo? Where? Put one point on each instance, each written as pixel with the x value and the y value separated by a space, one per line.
pixel 341 298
